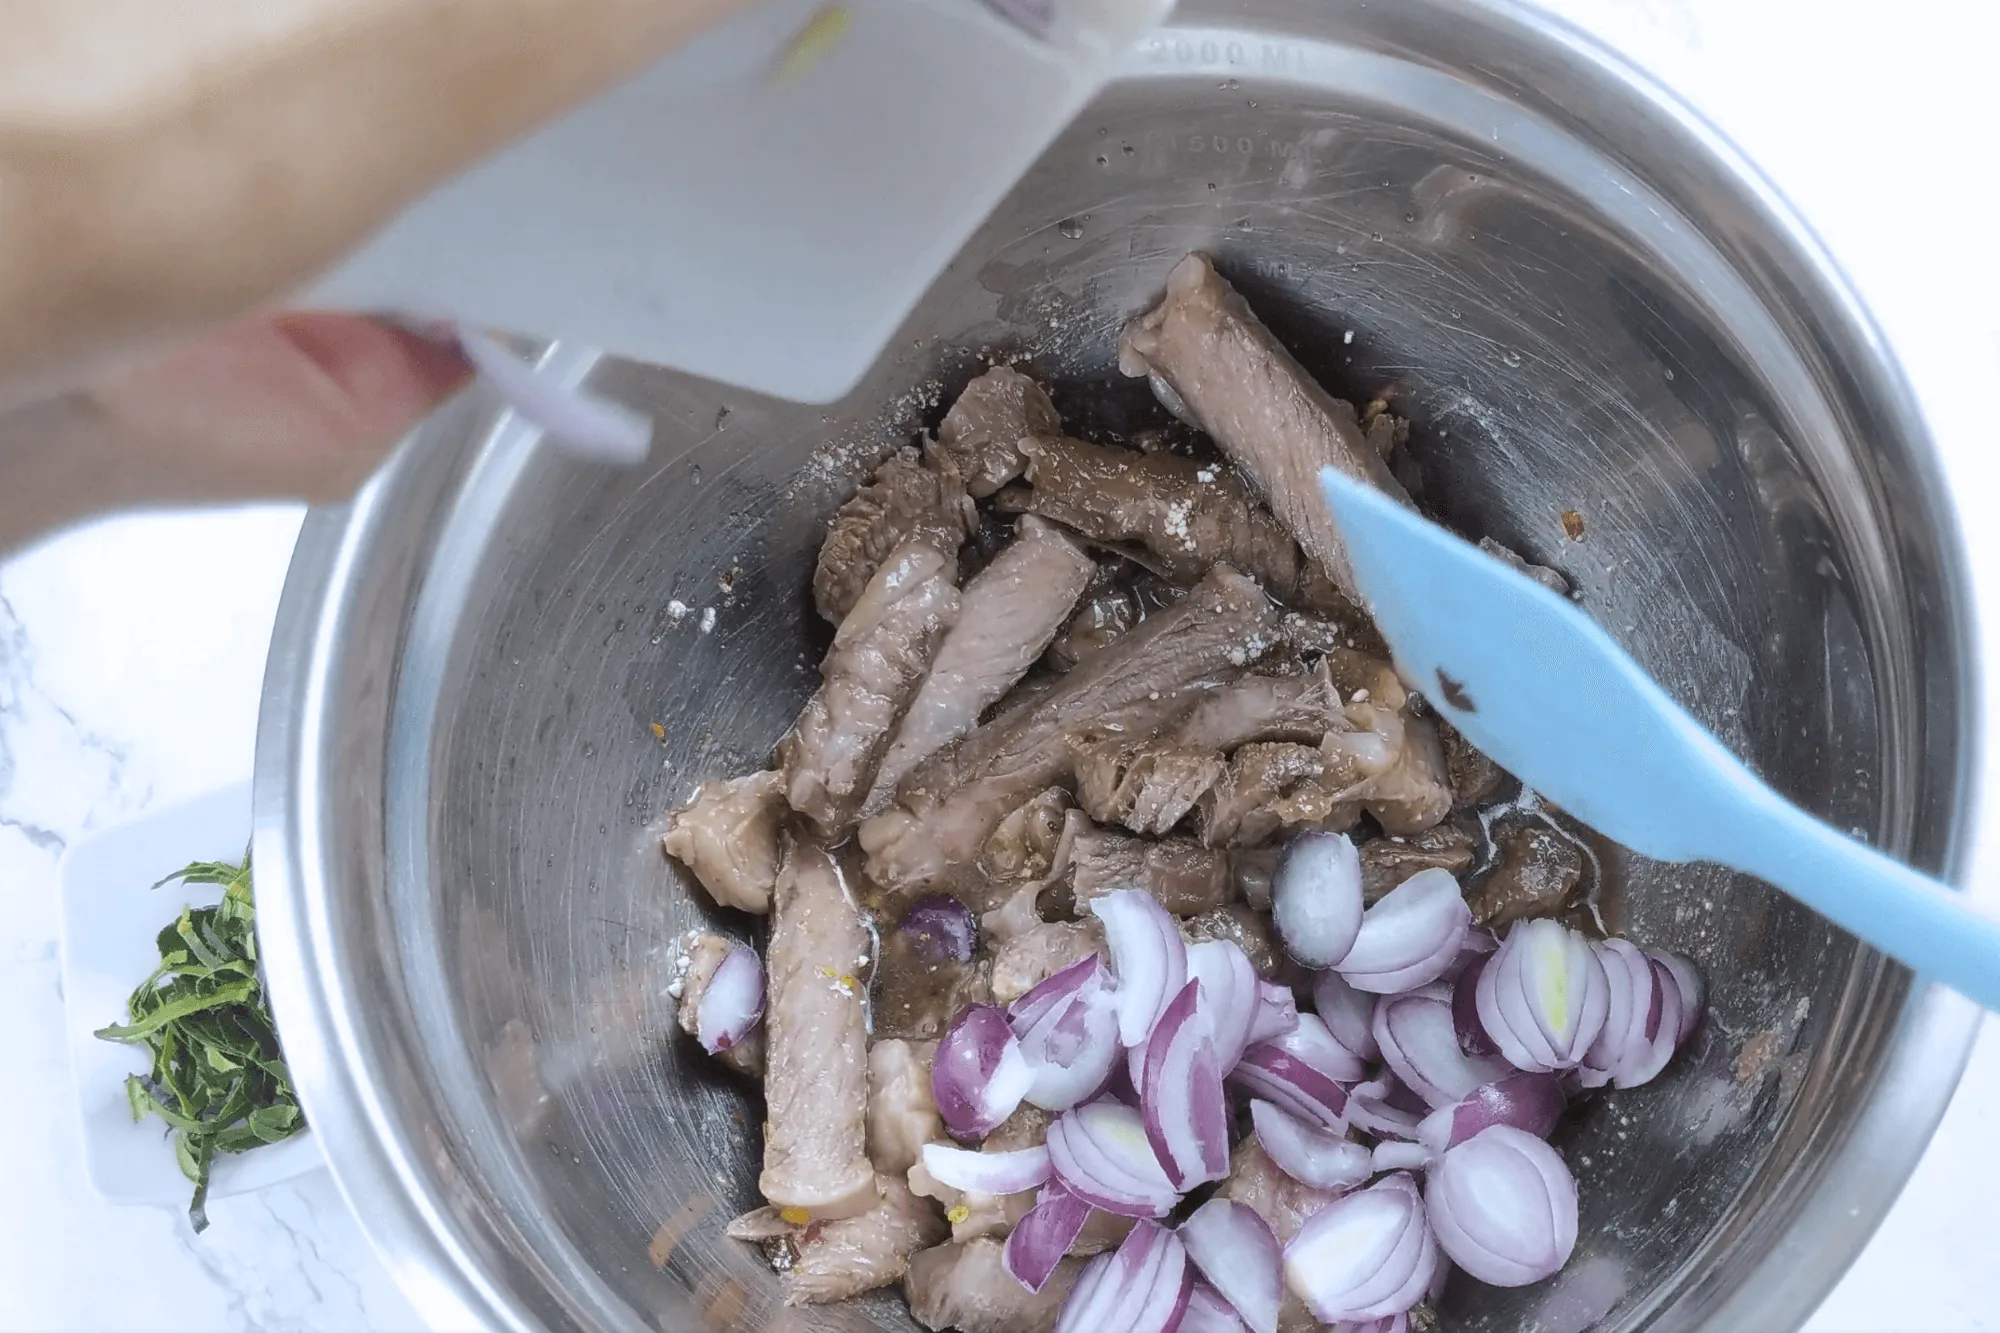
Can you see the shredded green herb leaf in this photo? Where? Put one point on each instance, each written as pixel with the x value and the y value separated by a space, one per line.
pixel 218 1078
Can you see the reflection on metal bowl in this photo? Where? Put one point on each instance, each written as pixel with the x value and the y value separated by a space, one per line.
pixel 1622 357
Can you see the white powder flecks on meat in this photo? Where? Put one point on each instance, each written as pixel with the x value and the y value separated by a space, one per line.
pixel 682 963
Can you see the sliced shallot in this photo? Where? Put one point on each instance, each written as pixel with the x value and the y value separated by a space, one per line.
pixel 1043 1236
pixel 1068 1029
pixel 1314 1042
pixel 1307 1152
pixel 1395 1155
pixel 1410 936
pixel 979 1074
pixel 1531 1103
pixel 1543 997
pixel 1420 1042
pixel 1663 1026
pixel 987 1172
pixel 1300 1072
pixel 1316 898
pixel 1349 1014
pixel 1207 1312
pixel 1503 1205
pixel 1231 995
pixel 1631 1014
pixel 1102 1155
pixel 1056 989
pixel 940 927
pixel 733 1004
pixel 1472 1038
pixel 1149 956
pixel 1694 990
pixel 1365 1256
pixel 1385 1108
pixel 1236 1250
pixel 1277 1012
pixel 1141 1287
pixel 1395 1323
pixel 1181 1102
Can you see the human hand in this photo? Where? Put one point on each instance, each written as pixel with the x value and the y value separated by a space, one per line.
pixel 286 405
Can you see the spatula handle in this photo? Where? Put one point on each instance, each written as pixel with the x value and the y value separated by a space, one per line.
pixel 1917 920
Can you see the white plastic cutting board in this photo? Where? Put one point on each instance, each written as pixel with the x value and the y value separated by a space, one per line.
pixel 764 206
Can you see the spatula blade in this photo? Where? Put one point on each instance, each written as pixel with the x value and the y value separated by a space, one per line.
pixel 1533 681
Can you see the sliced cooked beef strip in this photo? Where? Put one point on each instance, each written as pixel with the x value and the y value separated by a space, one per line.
pixel 1027 860
pixel 1109 609
pixel 905 500
pixel 1391 752
pixel 1008 613
pixel 1384 430
pixel 1314 635
pixel 902 1115
pixel 982 433
pixel 951 803
pixel 1242 387
pixel 1273 787
pixel 1388 861
pixel 1184 514
pixel 1029 841
pixel 1148 787
pixel 705 953
pixel 1537 874
pixel 968 1287
pixel 1186 877
pixel 1254 867
pixel 1475 779
pixel 1016 914
pixel 1403 780
pixel 816 1038
pixel 728 836
pixel 879 657
pixel 1300 708
pixel 840 1259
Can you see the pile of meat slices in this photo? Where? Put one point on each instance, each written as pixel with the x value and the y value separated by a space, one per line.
pixel 1146 1030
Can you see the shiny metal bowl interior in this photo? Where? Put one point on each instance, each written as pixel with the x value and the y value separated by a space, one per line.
pixel 1589 305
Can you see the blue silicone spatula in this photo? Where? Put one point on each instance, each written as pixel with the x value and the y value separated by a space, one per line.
pixel 1532 681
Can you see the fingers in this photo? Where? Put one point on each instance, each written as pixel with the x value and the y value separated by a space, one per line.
pixel 385 379
pixel 293 405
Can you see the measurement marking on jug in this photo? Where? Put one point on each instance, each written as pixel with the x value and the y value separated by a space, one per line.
pixel 1194 51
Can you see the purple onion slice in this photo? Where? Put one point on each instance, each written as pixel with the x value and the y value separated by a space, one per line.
pixel 1504 1207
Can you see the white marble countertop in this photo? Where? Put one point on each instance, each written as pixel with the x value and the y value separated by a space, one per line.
pixel 131 654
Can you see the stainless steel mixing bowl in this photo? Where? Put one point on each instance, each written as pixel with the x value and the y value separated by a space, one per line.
pixel 1588 303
